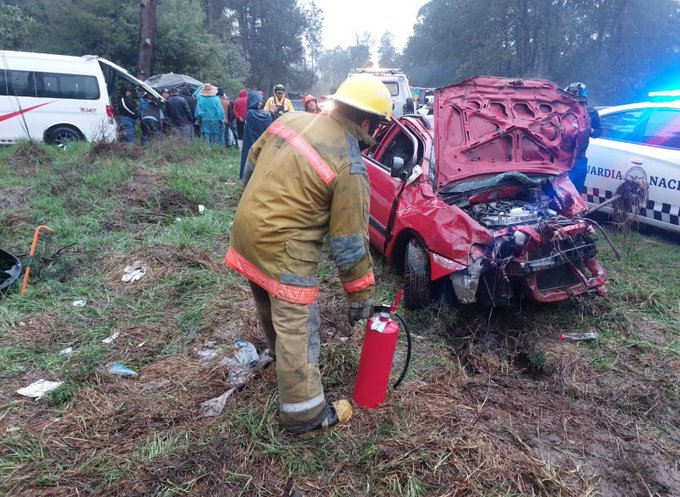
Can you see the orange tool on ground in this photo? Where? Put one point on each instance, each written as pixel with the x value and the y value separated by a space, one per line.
pixel 36 233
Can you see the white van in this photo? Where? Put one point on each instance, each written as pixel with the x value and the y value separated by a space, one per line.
pixel 59 98
pixel 397 82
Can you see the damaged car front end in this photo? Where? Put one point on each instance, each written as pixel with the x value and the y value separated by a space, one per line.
pixel 541 248
pixel 477 197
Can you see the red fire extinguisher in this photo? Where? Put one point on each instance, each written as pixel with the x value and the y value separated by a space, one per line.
pixel 377 354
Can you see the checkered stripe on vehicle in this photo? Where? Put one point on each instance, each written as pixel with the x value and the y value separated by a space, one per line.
pixel 653 210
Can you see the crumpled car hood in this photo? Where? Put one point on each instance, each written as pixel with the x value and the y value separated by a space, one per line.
pixel 488 125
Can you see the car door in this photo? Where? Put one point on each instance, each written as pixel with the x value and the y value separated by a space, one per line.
pixel 608 155
pixel 658 160
pixel 384 188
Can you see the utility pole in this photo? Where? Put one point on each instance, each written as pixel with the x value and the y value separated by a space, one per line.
pixel 147 37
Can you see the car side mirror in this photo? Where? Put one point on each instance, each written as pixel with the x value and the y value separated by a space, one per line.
pixel 397 167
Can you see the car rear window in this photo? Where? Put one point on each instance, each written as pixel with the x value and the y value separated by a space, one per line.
pixel 663 129
pixel 620 126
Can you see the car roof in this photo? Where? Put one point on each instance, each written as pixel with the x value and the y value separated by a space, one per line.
pixel 667 104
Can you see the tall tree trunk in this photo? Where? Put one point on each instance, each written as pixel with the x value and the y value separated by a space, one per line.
pixel 147 37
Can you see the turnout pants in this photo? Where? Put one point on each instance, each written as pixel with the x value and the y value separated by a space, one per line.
pixel 292 330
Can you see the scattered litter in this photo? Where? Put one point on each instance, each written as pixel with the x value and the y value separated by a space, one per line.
pixel 134 272
pixel 39 388
pixel 141 344
pixel 66 351
pixel 209 351
pixel 155 384
pixel 79 303
pixel 243 365
pixel 214 407
pixel 580 337
pixel 245 352
pixel 178 219
pixel 121 370
pixel 111 338
pixel 201 208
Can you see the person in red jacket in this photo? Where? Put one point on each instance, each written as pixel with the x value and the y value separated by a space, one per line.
pixel 240 108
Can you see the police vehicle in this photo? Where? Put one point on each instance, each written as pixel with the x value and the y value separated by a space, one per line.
pixel 642 141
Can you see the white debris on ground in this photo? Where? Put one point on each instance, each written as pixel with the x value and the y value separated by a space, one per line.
pixel 134 272
pixel 39 388
pixel 242 367
pixel 111 338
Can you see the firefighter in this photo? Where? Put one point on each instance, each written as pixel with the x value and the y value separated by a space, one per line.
pixel 304 177
pixel 277 105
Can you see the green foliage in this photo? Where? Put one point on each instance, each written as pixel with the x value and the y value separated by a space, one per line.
pixel 337 62
pixel 184 46
pixel 387 54
pixel 15 28
pixel 272 34
pixel 79 27
pixel 571 40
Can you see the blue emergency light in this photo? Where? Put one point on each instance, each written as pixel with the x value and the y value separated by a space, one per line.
pixel 670 94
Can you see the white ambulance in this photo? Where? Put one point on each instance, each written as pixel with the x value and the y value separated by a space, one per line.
pixel 59 98
pixel 397 83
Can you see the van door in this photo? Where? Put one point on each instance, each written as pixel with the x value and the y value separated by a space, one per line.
pixel 112 71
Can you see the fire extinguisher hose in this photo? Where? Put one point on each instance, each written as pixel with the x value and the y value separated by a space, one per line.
pixel 402 321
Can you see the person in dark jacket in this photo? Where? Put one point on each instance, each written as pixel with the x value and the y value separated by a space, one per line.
pixel 256 122
pixel 231 125
pixel 151 120
pixel 127 114
pixel 579 170
pixel 180 116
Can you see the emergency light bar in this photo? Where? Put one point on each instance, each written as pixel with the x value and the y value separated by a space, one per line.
pixel 665 93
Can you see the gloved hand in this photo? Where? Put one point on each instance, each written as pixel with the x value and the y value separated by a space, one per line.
pixel 359 310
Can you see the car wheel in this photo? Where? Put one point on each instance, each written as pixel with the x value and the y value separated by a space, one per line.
pixel 417 290
pixel 62 136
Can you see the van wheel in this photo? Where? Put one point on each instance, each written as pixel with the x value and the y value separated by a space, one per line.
pixel 62 136
pixel 417 290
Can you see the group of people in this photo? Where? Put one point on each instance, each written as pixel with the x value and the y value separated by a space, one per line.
pixel 207 112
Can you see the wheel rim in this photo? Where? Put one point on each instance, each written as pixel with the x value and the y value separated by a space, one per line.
pixel 64 137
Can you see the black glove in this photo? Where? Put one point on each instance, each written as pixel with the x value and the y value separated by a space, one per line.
pixel 359 310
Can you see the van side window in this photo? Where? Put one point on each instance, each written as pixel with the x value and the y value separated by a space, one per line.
pixel 3 82
pixel 21 83
pixel 50 85
pixel 74 86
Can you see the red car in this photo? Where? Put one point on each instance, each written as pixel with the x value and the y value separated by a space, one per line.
pixel 476 198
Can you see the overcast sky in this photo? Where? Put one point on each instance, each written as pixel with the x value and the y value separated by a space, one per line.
pixel 344 18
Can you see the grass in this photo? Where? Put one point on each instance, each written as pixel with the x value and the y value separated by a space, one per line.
pixel 492 405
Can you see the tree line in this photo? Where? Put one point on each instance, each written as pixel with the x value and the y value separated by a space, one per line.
pixel 620 48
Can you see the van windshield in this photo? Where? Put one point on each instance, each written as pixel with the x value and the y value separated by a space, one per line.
pixel 393 87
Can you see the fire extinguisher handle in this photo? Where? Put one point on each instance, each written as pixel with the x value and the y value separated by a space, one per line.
pixel 379 309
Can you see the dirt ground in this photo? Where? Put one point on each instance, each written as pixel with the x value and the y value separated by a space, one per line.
pixel 495 405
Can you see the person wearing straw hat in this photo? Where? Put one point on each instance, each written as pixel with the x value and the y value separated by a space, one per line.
pixel 305 177
pixel 210 114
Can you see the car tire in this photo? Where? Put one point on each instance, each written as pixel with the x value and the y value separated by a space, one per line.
pixel 62 136
pixel 417 289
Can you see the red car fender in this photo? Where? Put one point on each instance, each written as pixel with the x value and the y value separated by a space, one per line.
pixel 451 237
